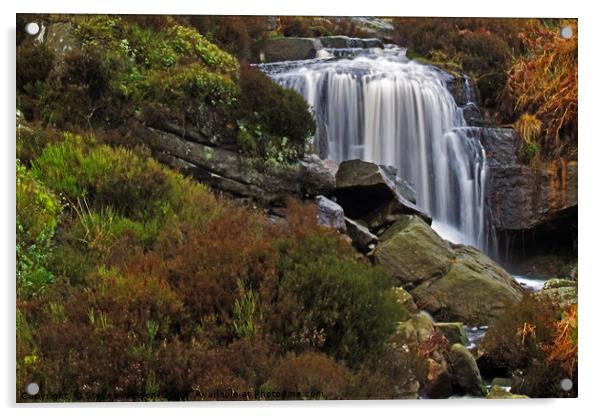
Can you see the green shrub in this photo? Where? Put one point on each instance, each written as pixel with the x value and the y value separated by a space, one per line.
pixel 528 152
pixel 273 121
pixel 127 180
pixel 38 211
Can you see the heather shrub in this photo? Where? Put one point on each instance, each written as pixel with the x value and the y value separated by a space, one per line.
pixel 481 47
pixel 238 35
pixel 309 375
pixel 34 63
pixel 538 344
pixel 335 303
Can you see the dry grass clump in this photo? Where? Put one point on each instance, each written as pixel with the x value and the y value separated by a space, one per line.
pixel 543 84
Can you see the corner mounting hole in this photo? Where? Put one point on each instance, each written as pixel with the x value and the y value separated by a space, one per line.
pixel 32 389
pixel 566 32
pixel 32 28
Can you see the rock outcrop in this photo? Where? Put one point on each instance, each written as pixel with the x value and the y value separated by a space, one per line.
pixel 228 171
pixel 340 42
pixel 290 49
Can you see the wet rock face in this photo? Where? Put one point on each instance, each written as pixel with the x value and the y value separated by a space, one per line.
pixel 531 206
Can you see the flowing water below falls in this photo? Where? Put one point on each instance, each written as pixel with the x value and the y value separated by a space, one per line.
pixel 378 106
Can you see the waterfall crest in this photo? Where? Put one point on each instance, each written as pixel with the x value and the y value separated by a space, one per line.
pixel 381 107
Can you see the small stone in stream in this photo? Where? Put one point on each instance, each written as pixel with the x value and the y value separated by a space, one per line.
pixel 465 372
pixel 330 214
pixel 499 392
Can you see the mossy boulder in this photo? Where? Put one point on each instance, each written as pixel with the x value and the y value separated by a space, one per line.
pixel 466 376
pixel 415 330
pixel 475 290
pixel 562 292
pixel 412 252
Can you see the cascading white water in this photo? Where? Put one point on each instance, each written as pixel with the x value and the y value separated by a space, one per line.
pixel 381 107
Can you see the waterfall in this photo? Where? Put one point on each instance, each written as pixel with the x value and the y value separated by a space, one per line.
pixel 383 108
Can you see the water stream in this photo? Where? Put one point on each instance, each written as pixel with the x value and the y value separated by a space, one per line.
pixel 377 105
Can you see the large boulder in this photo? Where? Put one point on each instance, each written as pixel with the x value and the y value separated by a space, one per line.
pixel 466 376
pixel 290 49
pixel 335 41
pixel 330 214
pixel 411 252
pixel 367 191
pixel 315 176
pixel 475 290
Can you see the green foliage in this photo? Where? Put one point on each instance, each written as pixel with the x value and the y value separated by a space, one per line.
pixel 128 69
pixel 246 314
pixel 38 211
